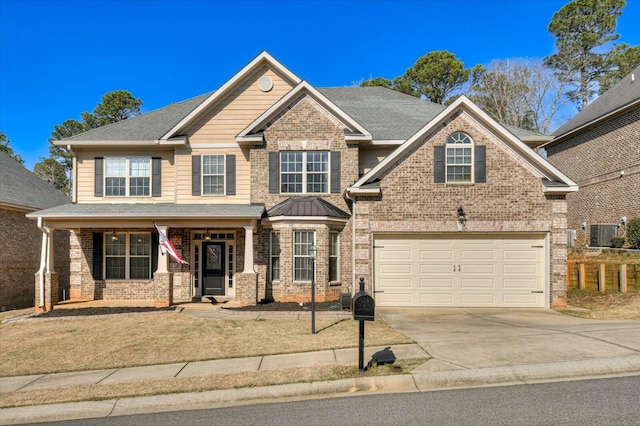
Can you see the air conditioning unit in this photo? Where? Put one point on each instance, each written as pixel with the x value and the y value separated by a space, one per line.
pixel 602 233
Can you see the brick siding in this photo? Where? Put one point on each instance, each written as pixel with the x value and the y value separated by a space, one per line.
pixel 594 160
pixel 20 248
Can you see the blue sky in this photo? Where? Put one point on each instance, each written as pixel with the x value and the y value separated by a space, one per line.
pixel 58 57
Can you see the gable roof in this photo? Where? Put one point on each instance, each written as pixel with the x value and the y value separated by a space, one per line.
pixel 20 188
pixel 625 94
pixel 355 129
pixel 555 181
pixel 382 115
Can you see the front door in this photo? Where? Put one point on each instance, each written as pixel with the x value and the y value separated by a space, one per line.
pixel 213 273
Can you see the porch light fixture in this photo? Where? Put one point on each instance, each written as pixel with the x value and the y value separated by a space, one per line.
pixel 462 217
pixel 207 236
pixel 114 236
pixel 312 256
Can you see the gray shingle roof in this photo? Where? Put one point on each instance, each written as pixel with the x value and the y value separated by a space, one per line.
pixel 387 114
pixel 306 206
pixel 623 93
pixel 154 211
pixel 21 188
pixel 150 126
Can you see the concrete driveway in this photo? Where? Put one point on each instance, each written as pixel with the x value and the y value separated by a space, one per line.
pixel 460 338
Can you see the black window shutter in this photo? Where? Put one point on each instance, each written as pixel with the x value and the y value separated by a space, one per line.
pixel 335 172
pixel 438 164
pixel 97 255
pixel 98 191
pixel 480 164
pixel 274 172
pixel 156 177
pixel 231 175
pixel 154 252
pixel 195 175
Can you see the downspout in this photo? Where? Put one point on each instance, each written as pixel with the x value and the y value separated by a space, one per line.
pixel 43 259
pixel 353 241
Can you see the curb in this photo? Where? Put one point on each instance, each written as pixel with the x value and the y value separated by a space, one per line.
pixel 416 382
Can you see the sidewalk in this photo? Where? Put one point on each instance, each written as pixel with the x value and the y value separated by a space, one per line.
pixel 464 347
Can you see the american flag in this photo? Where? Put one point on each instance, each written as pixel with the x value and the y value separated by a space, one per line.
pixel 169 248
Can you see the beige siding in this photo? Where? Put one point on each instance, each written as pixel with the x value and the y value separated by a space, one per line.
pixel 243 105
pixel 184 181
pixel 86 168
pixel 372 156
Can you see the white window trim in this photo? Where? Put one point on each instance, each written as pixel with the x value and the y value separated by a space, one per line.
pixel 471 165
pixel 294 256
pixel 127 176
pixel 224 175
pixel 127 256
pixel 273 256
pixel 304 172
pixel 337 256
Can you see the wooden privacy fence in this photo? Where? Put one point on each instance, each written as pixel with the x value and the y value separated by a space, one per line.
pixel 600 275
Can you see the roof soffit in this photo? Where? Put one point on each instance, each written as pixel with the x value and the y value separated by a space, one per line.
pixel 290 100
pixel 464 104
pixel 263 59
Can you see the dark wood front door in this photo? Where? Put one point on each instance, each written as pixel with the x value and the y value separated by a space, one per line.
pixel 213 272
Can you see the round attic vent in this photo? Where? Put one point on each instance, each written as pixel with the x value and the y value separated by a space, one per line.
pixel 265 83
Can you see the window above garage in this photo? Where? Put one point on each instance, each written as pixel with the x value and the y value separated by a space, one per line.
pixel 460 161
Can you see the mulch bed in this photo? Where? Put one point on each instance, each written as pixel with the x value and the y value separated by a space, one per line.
pixel 106 310
pixel 288 307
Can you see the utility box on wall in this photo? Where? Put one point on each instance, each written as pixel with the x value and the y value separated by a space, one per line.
pixel 602 233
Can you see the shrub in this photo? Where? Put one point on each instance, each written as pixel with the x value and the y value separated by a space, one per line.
pixel 633 232
pixel 617 242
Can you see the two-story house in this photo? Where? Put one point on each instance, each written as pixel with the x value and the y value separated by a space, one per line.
pixel 599 148
pixel 432 206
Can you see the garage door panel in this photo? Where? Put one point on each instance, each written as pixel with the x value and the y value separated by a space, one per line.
pixel 460 270
pixel 436 299
pixel 522 283
pixel 477 299
pixel 435 269
pixel 432 283
pixel 484 283
pixel 520 269
pixel 397 283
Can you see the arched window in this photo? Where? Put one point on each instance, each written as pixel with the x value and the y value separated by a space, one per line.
pixel 459 158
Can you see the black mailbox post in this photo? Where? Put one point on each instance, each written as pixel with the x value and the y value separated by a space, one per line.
pixel 364 309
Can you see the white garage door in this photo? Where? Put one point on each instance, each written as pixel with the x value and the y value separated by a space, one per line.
pixel 481 271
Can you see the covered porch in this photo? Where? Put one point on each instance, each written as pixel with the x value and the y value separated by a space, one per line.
pixel 117 253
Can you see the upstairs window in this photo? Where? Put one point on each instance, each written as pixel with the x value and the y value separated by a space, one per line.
pixel 304 172
pixel 127 176
pixel 459 158
pixel 213 174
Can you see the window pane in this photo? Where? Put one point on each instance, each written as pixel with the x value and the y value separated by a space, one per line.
pixel 116 187
pixel 458 173
pixel 139 166
pixel 140 245
pixel 115 267
pixel 302 269
pixel 116 248
pixel 302 240
pixel 139 186
pixel 333 269
pixel 139 268
pixel 333 256
pixel 213 185
pixel 213 164
pixel 291 172
pixel 275 269
pixel 115 166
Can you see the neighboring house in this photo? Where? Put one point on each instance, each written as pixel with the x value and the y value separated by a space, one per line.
pixel 599 149
pixel 22 192
pixel 432 206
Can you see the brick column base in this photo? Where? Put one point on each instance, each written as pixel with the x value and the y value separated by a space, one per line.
pixel 558 299
pixel 51 289
pixel 162 289
pixel 247 288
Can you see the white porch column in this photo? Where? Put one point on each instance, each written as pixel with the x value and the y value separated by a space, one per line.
pixel 163 260
pixel 50 265
pixel 248 250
